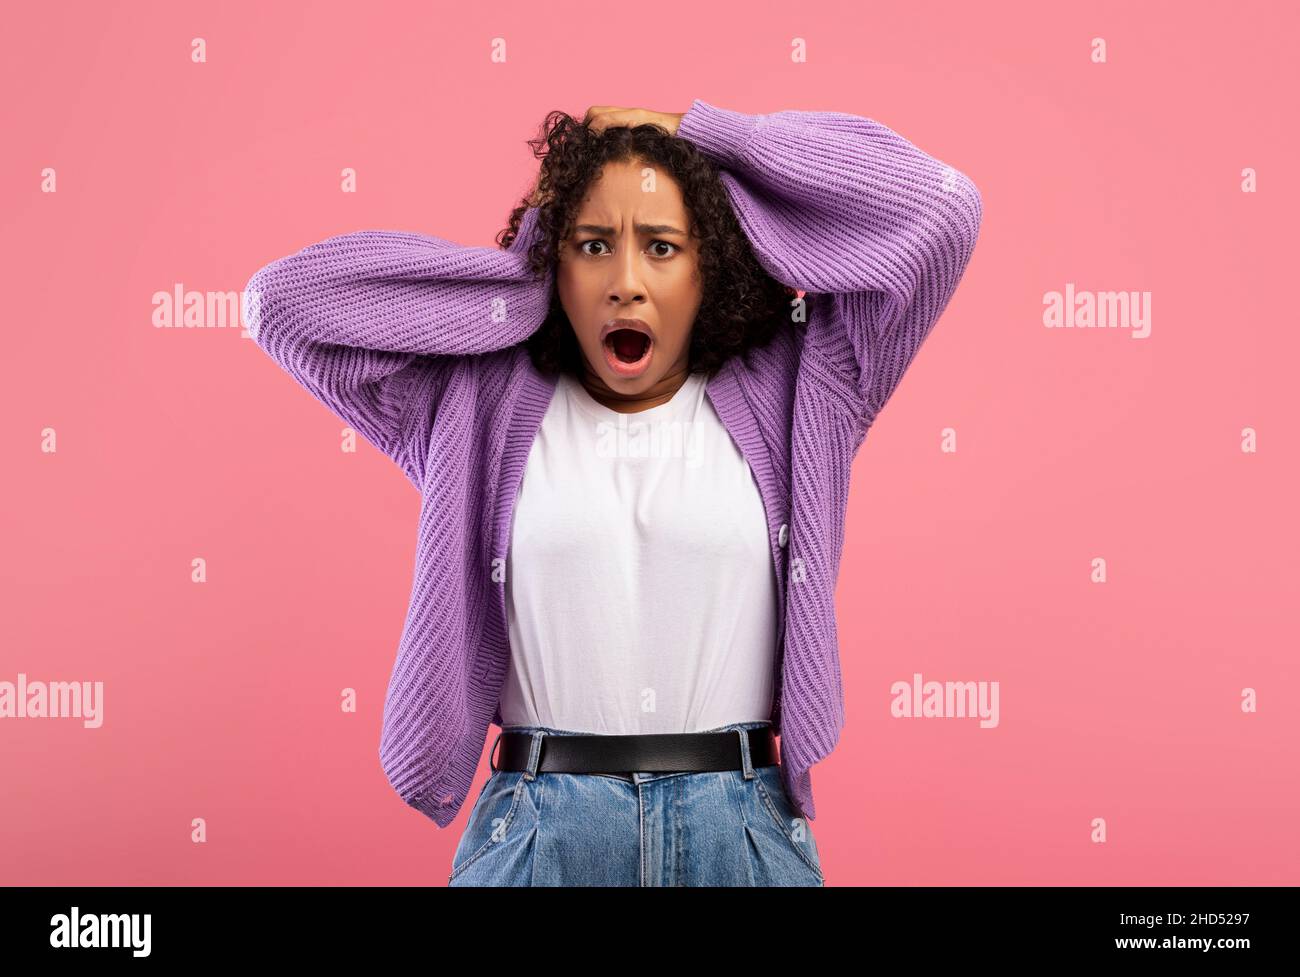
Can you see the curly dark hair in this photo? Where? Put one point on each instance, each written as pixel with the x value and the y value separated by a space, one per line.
pixel 741 306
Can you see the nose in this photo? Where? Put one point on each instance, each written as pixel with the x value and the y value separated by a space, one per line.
pixel 626 284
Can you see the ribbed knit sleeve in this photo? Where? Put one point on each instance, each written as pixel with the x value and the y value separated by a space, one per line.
pixel 842 207
pixel 367 322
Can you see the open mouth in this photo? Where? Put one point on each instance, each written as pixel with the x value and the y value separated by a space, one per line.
pixel 628 345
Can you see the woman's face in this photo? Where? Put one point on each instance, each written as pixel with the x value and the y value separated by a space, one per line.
pixel 630 257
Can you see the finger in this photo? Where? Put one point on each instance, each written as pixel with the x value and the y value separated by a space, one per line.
pixel 614 117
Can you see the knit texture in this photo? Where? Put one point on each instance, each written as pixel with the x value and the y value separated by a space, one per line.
pixel 415 342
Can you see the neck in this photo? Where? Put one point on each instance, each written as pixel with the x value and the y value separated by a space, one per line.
pixel 659 393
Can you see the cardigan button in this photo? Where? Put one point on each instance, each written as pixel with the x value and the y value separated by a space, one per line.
pixel 784 535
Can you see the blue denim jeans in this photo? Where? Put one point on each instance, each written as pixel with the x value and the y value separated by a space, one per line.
pixel 706 828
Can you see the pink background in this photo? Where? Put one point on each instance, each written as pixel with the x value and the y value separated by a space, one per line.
pixel 1119 701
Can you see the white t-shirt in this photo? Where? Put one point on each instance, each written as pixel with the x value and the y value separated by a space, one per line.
pixel 640 590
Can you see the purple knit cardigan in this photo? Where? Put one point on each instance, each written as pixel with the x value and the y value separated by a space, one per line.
pixel 415 342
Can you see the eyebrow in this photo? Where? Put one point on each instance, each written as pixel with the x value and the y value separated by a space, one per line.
pixel 640 229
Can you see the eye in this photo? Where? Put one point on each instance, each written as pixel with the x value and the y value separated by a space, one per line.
pixel 667 244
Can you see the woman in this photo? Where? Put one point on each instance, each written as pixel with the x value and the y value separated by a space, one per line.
pixel 633 436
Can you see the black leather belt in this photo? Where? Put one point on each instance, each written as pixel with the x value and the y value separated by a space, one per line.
pixel 626 754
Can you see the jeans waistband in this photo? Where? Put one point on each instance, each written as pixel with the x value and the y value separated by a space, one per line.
pixel 552 731
pixel 540 732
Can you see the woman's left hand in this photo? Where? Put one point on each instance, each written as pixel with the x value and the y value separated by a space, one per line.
pixel 600 116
